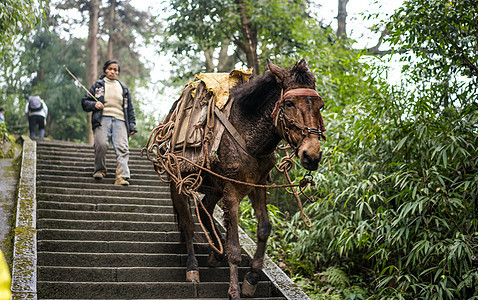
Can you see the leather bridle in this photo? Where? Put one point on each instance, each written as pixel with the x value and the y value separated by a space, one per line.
pixel 284 123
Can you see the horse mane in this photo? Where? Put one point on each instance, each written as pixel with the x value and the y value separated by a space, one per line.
pixel 253 95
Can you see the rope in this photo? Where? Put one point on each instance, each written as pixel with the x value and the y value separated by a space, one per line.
pixel 169 163
pixel 284 167
pixel 159 142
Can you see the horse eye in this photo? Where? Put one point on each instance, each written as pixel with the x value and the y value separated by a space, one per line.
pixel 289 104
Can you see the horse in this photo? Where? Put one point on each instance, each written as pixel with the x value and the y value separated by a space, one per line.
pixel 278 105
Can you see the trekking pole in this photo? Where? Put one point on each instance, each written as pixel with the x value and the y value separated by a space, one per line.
pixel 80 83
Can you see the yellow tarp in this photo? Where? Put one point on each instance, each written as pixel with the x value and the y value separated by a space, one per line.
pixel 220 84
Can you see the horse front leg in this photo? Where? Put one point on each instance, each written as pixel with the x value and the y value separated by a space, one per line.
pixel 233 247
pixel 258 199
pixel 186 228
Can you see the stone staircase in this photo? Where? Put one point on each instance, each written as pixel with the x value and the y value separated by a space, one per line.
pixel 96 240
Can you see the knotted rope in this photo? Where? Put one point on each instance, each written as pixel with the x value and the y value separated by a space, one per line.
pixel 159 142
pixel 167 162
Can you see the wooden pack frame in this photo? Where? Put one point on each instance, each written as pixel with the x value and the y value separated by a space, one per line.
pixel 196 128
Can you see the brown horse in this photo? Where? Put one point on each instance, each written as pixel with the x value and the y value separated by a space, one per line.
pixel 280 104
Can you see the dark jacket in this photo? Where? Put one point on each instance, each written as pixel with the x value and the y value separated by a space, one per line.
pixel 98 90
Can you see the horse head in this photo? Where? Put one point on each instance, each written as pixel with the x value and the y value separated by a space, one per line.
pixel 297 115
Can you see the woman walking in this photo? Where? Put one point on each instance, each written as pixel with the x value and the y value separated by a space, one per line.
pixel 113 119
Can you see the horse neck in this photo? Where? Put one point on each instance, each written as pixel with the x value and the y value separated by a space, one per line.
pixel 257 129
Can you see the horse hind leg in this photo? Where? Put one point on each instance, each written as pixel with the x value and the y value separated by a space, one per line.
pixel 186 228
pixel 258 199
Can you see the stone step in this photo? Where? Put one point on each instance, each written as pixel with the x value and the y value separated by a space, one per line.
pixel 96 240
pixel 71 146
pixel 104 215
pixel 119 246
pixel 140 274
pixel 131 191
pixel 89 182
pixel 109 207
pixel 89 174
pixel 162 199
pixel 111 167
pixel 58 154
pixel 89 156
pixel 146 290
pixel 80 259
pixel 107 235
pixel 89 161
pixel 109 179
pixel 106 225
pixel 78 149
pixel 103 186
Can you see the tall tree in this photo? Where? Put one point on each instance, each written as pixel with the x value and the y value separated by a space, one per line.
pixel 248 44
pixel 342 19
pixel 110 23
pixel 250 30
pixel 92 50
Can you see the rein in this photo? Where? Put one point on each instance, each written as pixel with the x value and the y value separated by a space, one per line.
pixel 159 143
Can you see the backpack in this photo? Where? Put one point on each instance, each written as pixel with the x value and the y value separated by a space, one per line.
pixel 35 103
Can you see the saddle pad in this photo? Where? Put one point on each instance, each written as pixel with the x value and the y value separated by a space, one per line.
pixel 220 84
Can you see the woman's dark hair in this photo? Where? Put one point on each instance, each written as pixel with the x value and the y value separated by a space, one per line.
pixel 105 66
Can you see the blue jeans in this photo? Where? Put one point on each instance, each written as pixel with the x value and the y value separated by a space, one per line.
pixel 112 130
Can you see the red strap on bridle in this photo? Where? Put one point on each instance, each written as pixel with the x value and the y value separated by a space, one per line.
pixel 300 92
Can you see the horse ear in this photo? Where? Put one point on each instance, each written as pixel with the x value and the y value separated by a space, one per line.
pixel 277 71
pixel 302 64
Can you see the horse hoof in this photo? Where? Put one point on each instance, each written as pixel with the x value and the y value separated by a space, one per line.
pixel 248 290
pixel 212 261
pixel 192 276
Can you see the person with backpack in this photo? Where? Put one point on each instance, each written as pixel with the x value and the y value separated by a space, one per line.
pixel 113 119
pixel 36 112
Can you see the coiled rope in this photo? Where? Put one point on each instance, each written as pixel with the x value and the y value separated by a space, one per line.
pixel 168 163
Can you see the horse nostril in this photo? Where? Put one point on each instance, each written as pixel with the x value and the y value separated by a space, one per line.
pixel 309 159
pixel 310 163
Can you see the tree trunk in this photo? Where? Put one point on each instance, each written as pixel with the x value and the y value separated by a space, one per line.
pixel 342 19
pixel 92 48
pixel 110 23
pixel 208 55
pixel 225 62
pixel 249 46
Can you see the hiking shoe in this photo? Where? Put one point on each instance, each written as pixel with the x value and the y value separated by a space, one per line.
pixel 121 181
pixel 99 175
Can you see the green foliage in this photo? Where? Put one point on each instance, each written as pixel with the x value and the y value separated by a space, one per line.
pixel 195 26
pixel 43 60
pixel 7 142
pixel 443 34
pixel 17 18
pixel 396 195
pixel 38 69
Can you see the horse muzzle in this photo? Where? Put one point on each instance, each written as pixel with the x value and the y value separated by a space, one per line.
pixel 309 161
